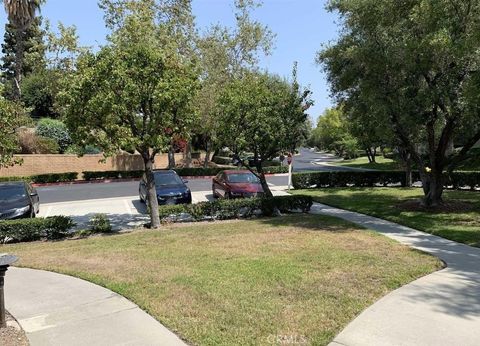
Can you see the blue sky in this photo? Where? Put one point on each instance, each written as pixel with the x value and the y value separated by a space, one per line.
pixel 301 26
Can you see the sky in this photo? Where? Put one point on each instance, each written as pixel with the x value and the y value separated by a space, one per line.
pixel 301 27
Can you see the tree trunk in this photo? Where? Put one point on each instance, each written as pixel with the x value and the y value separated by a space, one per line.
pixel 433 185
pixel 367 150
pixel 148 160
pixel 208 151
pixel 19 57
pixel 171 157
pixel 408 171
pixel 188 155
pixel 374 155
pixel 263 180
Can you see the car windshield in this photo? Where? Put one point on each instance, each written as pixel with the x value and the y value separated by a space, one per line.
pixel 243 178
pixel 9 192
pixel 167 179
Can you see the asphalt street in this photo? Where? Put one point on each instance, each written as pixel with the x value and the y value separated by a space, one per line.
pixel 120 202
pixel 307 161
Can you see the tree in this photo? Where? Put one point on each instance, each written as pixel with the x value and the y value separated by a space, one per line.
pixel 260 114
pixel 417 63
pixel 10 113
pixel 34 54
pixel 21 14
pixel 127 94
pixel 225 54
pixel 331 129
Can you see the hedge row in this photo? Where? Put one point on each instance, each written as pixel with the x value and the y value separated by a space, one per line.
pixel 342 179
pixel 224 209
pixel 375 178
pixel 24 230
pixel 89 176
pixel 45 178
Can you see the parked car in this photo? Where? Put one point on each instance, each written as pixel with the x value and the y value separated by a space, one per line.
pixel 18 200
pixel 171 189
pixel 236 184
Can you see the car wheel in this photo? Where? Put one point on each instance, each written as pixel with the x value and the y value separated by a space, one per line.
pixel 33 214
pixel 214 193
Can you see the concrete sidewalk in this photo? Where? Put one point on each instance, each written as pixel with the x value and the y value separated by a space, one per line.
pixel 442 308
pixel 56 309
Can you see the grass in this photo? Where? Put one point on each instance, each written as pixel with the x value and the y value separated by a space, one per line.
pixel 381 164
pixel 460 226
pixel 242 282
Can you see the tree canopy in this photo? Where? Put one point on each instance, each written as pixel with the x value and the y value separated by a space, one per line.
pixel 134 93
pixel 416 64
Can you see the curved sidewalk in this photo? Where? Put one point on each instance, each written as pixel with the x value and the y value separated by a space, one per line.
pixel 56 309
pixel 442 308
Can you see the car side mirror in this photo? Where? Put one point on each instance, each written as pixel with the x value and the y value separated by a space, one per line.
pixel 34 194
pixel 185 181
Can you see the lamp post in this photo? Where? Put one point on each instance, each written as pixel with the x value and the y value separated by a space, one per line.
pixel 5 262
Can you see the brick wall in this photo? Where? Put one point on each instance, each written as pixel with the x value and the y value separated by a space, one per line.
pixel 43 164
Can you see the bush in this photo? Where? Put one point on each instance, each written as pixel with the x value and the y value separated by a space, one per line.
pixel 24 230
pixel 89 176
pixel 56 130
pixel 47 146
pixel 225 209
pixel 54 177
pixel 100 224
pixel 88 150
pixel 343 179
pixel 376 178
pixel 30 143
pixel 220 160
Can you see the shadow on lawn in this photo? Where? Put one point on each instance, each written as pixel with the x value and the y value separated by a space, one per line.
pixel 310 222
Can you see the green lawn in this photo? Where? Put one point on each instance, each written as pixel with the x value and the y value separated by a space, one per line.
pixel 461 226
pixel 242 282
pixel 381 164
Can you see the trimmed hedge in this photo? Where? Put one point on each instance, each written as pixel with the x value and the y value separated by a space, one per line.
pixel 45 178
pixel 24 230
pixel 89 176
pixel 375 178
pixel 343 179
pixel 224 209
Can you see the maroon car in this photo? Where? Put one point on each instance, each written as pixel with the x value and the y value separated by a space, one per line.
pixel 236 184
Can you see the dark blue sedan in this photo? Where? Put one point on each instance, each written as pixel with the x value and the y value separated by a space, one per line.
pixel 171 189
pixel 18 200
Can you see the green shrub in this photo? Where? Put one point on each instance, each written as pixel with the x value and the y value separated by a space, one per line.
pixel 88 150
pixel 47 145
pixel 54 177
pixel 224 209
pixel 220 160
pixel 343 179
pixel 100 224
pixel 455 180
pixel 89 176
pixel 56 130
pixel 24 230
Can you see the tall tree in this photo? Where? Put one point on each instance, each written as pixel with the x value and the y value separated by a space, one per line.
pixel 225 54
pixel 127 94
pixel 10 115
pixel 260 114
pixel 417 63
pixel 21 14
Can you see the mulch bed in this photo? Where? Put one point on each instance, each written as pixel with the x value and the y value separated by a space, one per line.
pixel 13 335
